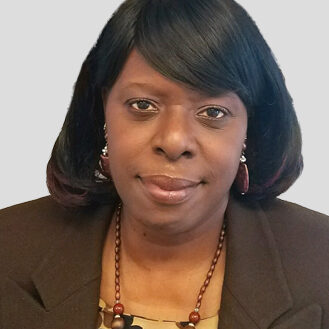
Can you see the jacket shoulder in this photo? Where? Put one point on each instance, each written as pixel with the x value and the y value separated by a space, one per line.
pixel 294 211
pixel 46 212
pixel 33 219
pixel 298 228
pixel 30 210
pixel 28 230
pixel 281 212
pixel 302 238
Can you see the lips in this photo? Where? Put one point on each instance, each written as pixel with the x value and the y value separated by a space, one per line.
pixel 169 183
pixel 169 190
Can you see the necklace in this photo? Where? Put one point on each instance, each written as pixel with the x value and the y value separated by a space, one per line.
pixel 118 308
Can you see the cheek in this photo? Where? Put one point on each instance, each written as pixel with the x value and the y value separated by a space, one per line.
pixel 225 166
pixel 121 154
pixel 223 161
pixel 125 149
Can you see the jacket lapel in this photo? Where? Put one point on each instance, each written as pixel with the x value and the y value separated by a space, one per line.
pixel 255 291
pixel 65 286
pixel 307 318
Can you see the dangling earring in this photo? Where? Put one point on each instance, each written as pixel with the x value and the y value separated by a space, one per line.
pixel 242 176
pixel 104 173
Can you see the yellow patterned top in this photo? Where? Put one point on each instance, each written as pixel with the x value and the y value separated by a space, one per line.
pixel 105 317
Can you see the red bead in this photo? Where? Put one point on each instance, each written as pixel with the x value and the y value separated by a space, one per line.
pixel 194 317
pixel 118 308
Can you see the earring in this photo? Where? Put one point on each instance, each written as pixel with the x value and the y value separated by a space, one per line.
pixel 242 177
pixel 103 162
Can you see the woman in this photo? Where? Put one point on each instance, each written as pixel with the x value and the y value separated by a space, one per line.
pixel 164 181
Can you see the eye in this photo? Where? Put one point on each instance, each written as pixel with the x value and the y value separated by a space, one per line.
pixel 213 113
pixel 142 105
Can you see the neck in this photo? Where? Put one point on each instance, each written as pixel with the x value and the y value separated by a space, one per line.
pixel 171 248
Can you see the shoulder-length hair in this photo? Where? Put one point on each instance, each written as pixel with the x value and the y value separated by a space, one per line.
pixel 212 46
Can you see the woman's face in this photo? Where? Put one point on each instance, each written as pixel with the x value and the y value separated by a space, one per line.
pixel 173 152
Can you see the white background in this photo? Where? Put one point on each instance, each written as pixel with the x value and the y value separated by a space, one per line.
pixel 43 44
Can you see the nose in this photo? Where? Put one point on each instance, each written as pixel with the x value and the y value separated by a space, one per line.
pixel 174 137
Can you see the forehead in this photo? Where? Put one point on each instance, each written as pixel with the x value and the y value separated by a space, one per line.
pixel 137 74
pixel 138 78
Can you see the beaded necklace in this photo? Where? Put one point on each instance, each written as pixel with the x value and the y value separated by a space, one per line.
pixel 118 308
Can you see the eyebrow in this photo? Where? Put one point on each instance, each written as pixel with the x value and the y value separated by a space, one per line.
pixel 152 88
pixel 143 85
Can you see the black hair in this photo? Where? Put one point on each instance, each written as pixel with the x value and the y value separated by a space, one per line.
pixel 211 46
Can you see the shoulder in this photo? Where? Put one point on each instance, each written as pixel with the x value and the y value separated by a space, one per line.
pixel 288 221
pixel 302 239
pixel 28 230
pixel 285 216
pixel 32 212
pixel 299 231
pixel 33 220
pixel 46 212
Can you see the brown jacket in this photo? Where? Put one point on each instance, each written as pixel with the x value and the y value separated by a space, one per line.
pixel 276 276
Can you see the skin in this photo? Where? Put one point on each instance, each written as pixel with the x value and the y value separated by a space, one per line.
pixel 172 134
